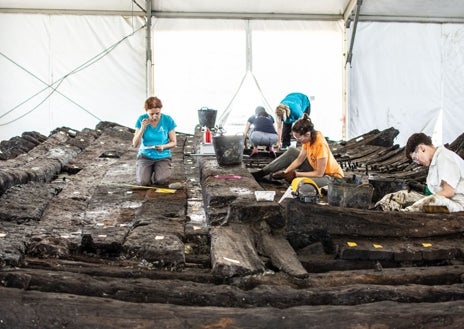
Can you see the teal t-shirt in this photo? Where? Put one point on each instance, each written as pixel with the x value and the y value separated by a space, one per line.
pixel 153 136
pixel 297 102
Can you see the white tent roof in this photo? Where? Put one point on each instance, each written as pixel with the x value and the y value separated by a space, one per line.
pixel 378 10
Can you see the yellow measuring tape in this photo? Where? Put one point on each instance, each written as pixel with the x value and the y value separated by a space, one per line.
pixel 142 187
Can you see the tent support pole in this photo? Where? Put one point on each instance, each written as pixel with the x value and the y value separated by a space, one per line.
pixel 356 18
pixel 249 71
pixel 149 71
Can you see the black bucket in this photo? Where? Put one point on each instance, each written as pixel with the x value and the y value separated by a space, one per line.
pixel 207 117
pixel 386 185
pixel 228 149
pixel 350 195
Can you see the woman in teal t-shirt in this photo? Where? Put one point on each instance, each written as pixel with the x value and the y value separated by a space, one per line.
pixel 155 135
pixel 290 109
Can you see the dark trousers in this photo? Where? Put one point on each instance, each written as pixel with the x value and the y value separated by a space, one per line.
pixel 151 171
pixel 287 130
pixel 286 134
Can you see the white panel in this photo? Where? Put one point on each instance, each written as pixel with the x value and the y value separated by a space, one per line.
pixel 202 63
pixel 97 72
pixel 453 81
pixel 402 76
pixel 197 63
pixel 302 57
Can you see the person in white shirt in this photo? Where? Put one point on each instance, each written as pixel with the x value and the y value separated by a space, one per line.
pixel 445 178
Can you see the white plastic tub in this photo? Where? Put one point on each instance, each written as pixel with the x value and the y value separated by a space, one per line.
pixel 264 195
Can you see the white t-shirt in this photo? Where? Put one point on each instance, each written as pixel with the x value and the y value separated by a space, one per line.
pixel 446 166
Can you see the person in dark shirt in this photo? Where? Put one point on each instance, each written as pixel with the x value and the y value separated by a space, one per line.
pixel 261 131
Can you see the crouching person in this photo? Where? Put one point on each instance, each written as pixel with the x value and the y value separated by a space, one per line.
pixel 445 178
pixel 314 160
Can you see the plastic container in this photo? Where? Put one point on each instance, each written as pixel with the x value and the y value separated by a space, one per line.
pixel 350 195
pixel 265 195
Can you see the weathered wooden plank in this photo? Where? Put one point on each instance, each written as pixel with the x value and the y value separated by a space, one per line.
pixel 304 219
pixel 282 255
pixel 427 249
pixel 366 250
pixel 27 202
pixel 252 211
pixel 42 163
pixel 20 144
pixel 362 153
pixel 219 192
pixel 375 137
pixel 425 275
pixel 89 202
pixel 393 277
pixel 126 268
pixel 12 244
pixel 385 154
pixel 233 251
pixel 149 243
pixel 210 168
pixel 49 310
pixel 200 294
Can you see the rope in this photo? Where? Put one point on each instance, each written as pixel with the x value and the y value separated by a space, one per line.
pixel 81 67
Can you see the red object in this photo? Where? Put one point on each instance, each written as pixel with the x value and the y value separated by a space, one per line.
pixel 208 138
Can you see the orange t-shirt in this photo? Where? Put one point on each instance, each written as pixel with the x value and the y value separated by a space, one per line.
pixel 320 149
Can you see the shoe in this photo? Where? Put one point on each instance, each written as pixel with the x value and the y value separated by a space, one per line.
pixel 284 148
pixel 258 175
pixel 269 180
pixel 278 175
pixel 272 153
pixel 254 152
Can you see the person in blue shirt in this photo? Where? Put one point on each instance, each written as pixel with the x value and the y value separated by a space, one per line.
pixel 154 135
pixel 261 131
pixel 290 109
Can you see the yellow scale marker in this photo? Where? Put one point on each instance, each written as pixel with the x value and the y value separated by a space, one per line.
pixel 426 244
pixel 142 187
pixel 377 246
pixel 352 244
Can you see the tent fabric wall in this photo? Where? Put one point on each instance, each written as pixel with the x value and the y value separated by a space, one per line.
pixel 196 63
pixel 406 75
pixel 202 63
pixel 69 70
pixel 409 76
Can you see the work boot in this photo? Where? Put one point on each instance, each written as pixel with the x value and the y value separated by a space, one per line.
pixel 278 175
pixel 258 175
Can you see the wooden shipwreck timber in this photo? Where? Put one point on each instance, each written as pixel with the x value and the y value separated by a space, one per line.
pixel 81 247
